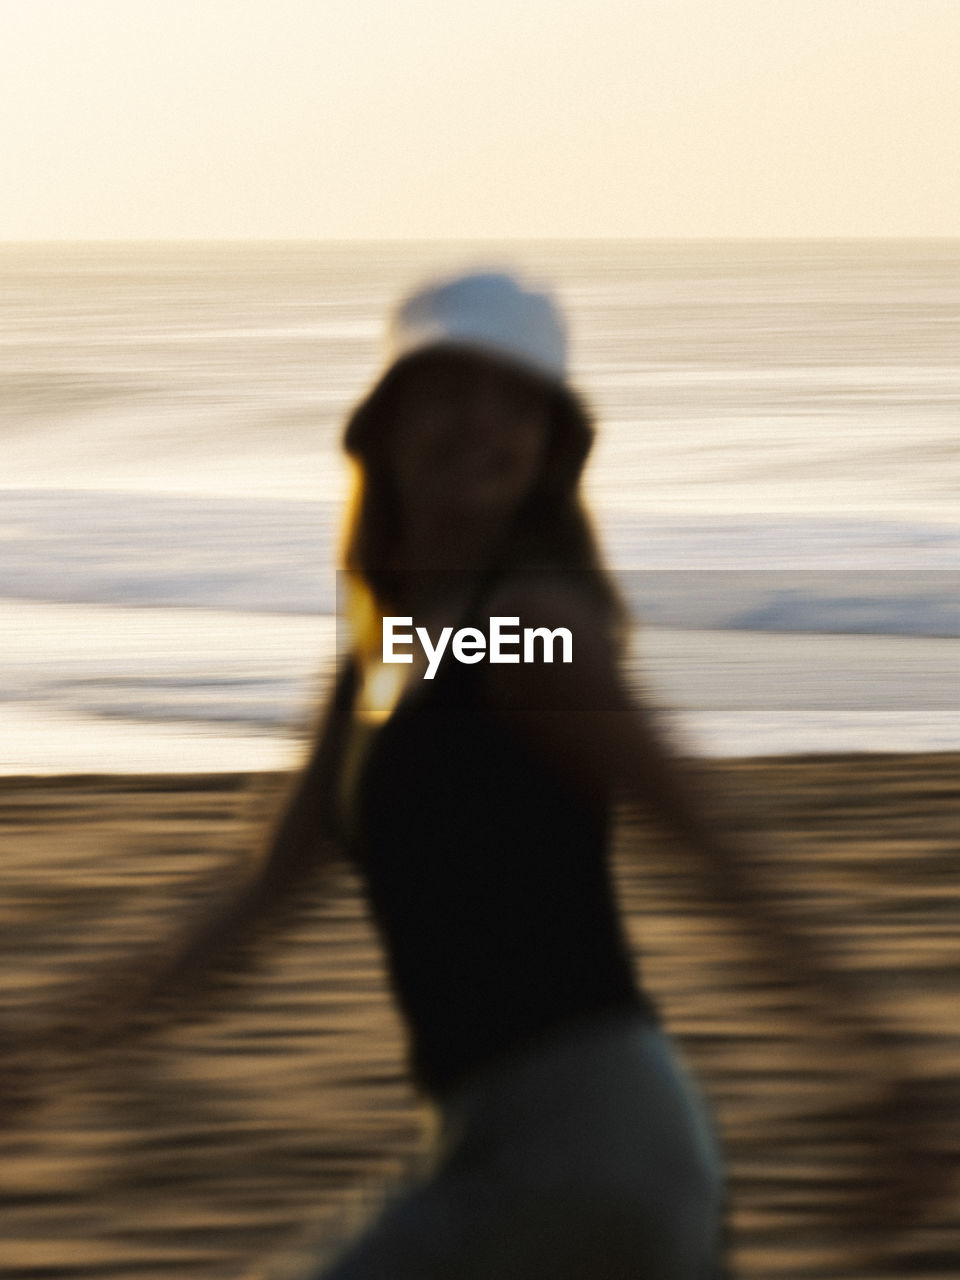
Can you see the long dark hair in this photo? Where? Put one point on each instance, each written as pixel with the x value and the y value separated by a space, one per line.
pixel 550 532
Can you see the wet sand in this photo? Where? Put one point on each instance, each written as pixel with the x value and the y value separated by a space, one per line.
pixel 279 1097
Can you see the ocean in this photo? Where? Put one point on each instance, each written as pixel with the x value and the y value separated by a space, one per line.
pixel 776 483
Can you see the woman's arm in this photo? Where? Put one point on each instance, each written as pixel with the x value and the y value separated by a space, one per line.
pixel 583 718
pixel 300 843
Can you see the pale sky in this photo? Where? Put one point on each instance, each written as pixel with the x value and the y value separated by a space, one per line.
pixel 304 119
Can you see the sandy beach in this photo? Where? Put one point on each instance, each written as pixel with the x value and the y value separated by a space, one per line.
pixel 279 1098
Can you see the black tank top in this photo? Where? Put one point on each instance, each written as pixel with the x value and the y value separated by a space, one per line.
pixel 489 880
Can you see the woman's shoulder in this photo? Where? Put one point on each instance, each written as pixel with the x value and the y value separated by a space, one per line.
pixel 553 599
pixel 563 695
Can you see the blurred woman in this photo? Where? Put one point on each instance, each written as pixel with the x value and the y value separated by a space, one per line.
pixel 473 782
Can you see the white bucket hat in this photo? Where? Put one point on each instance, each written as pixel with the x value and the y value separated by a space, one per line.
pixel 488 312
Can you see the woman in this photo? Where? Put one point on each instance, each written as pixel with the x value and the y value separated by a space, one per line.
pixel 476 795
pixel 477 806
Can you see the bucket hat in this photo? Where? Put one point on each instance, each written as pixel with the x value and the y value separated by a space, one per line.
pixel 489 312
